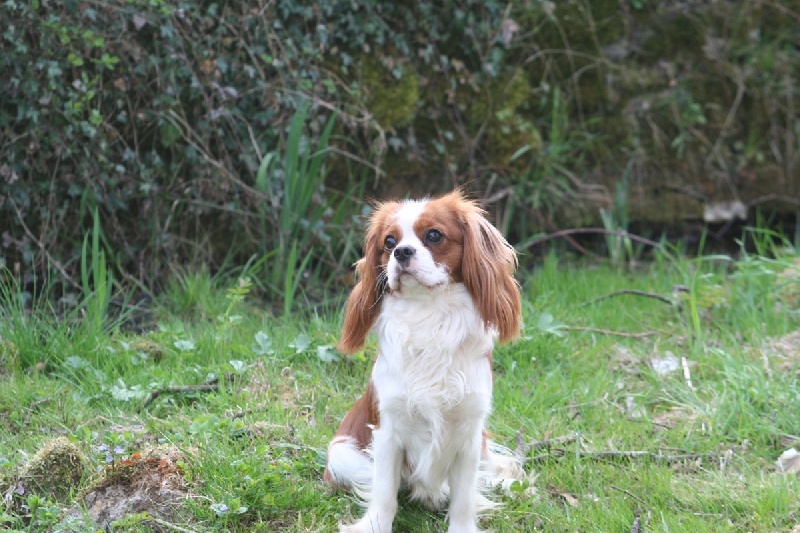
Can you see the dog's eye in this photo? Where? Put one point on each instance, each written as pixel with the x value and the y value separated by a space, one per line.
pixel 389 243
pixel 434 236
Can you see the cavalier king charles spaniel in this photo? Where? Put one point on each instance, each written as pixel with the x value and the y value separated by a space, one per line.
pixel 436 285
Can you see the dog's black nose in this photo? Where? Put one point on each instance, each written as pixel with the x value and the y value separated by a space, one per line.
pixel 403 254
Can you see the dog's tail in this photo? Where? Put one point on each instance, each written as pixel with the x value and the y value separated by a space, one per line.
pixel 500 467
pixel 348 466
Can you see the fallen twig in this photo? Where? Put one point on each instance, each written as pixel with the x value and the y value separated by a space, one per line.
pixel 557 453
pixel 171 526
pixel 643 454
pixel 542 457
pixel 209 386
pixel 629 493
pixel 567 497
pixel 239 414
pixel 549 443
pixel 603 231
pixel 524 448
pixel 612 332
pixel 633 292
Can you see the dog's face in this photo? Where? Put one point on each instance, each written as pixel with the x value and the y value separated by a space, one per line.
pixel 422 246
pixel 426 245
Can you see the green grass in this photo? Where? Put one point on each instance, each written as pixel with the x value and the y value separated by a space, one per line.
pixel 255 446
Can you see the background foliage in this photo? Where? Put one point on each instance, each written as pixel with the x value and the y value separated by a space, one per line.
pixel 176 121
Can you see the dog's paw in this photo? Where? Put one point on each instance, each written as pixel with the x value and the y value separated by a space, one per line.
pixel 463 528
pixel 367 524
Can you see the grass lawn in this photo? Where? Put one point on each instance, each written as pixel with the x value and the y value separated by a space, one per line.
pixel 634 413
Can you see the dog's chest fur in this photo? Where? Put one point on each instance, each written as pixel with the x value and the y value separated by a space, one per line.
pixel 433 379
pixel 434 349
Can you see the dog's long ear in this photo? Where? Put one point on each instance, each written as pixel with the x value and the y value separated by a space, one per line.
pixel 364 303
pixel 488 266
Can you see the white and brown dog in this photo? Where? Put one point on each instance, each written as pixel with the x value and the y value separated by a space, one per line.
pixel 437 287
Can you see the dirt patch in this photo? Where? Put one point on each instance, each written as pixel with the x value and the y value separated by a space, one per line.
pixel 152 482
pixel 788 284
pixel 785 349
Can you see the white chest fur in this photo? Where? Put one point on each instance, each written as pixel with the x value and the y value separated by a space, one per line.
pixel 433 349
pixel 433 380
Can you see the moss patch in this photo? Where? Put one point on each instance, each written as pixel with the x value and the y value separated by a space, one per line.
pixel 504 96
pixel 54 471
pixel 391 99
pixel 513 141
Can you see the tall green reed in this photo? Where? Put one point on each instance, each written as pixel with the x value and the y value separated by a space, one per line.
pixel 294 217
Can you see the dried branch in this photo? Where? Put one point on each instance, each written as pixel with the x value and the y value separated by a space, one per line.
pixel 51 260
pixel 773 198
pixel 612 332
pixel 630 455
pixel 169 525
pixel 643 454
pixel 634 292
pixel 209 386
pixel 524 448
pixel 602 231
pixel 628 493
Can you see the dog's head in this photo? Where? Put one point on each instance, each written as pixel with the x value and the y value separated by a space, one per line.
pixel 427 245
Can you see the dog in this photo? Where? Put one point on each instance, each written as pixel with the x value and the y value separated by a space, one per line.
pixel 436 285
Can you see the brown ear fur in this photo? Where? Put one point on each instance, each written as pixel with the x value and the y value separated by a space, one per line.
pixel 364 303
pixel 488 267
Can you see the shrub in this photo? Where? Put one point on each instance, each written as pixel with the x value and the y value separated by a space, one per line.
pixel 158 116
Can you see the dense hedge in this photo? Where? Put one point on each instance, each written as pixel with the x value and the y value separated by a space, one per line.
pixel 160 113
pixel 156 113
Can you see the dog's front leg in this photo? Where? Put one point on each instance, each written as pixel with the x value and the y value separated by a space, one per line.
pixel 463 481
pixel 388 463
